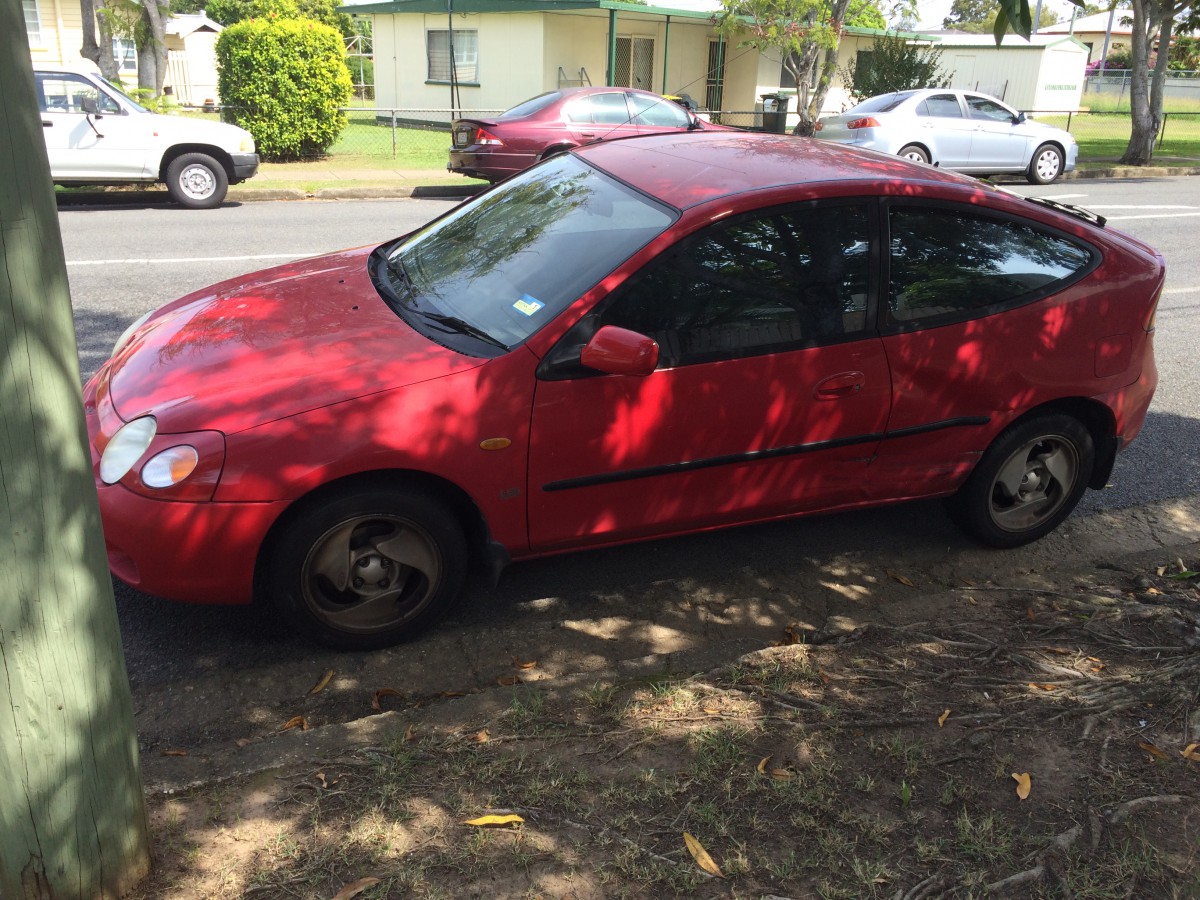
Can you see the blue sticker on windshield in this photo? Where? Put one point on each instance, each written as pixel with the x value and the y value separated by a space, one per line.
pixel 528 305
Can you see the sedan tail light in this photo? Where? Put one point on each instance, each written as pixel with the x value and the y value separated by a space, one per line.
pixel 865 122
pixel 483 136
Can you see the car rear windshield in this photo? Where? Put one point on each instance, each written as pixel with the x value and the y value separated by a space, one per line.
pixel 530 106
pixel 505 264
pixel 882 103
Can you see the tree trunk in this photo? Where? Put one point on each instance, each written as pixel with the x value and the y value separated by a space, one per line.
pixel 152 52
pixel 1140 149
pixel 810 106
pixel 91 48
pixel 72 817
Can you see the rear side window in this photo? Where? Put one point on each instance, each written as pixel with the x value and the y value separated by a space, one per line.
pixel 943 106
pixel 947 265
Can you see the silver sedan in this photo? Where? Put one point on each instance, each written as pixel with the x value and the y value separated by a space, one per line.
pixel 958 130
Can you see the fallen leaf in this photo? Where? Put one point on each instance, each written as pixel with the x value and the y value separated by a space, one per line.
pixel 242 742
pixel 376 703
pixel 481 736
pixel 762 765
pixel 1030 614
pixel 320 685
pixel 409 733
pixel 1153 750
pixel 1043 687
pixel 942 718
pixel 174 753
pixel 1160 571
pixel 903 579
pixel 295 722
pixel 320 776
pixel 700 855
pixel 524 664
pixel 451 694
pixel 781 774
pixel 1191 752
pixel 354 888
pixel 711 711
pixel 1024 784
pixel 494 821
pixel 507 680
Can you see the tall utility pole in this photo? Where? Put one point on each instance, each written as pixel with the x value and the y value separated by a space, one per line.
pixel 72 815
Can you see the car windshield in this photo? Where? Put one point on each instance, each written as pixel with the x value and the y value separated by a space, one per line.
pixel 882 103
pixel 116 90
pixel 529 107
pixel 500 267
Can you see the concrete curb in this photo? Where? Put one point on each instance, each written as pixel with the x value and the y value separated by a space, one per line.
pixel 148 197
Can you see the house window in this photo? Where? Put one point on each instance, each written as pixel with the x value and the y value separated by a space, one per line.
pixel 33 22
pixel 466 55
pixel 125 54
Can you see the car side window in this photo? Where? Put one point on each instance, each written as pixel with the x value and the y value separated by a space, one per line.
pixel 946 264
pixel 775 281
pixel 65 93
pixel 982 108
pixel 609 109
pixel 658 112
pixel 941 105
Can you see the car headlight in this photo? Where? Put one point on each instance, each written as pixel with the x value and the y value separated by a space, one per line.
pixel 128 332
pixel 170 467
pixel 126 448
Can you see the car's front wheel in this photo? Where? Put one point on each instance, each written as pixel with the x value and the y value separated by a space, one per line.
pixel 1046 165
pixel 197 181
pixel 914 152
pixel 367 568
pixel 1027 482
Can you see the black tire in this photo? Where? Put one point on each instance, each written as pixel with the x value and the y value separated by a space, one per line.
pixel 1027 482
pixel 1046 165
pixel 367 568
pixel 197 181
pixel 914 152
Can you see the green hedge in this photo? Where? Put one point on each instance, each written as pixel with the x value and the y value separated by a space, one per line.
pixel 283 80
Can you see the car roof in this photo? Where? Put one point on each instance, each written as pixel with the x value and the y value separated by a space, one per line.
pixel 685 170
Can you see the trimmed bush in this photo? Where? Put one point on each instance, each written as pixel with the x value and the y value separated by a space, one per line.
pixel 283 80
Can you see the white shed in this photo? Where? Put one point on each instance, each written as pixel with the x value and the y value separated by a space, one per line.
pixel 192 58
pixel 1045 73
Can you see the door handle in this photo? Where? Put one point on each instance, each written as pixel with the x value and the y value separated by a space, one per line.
pixel 46 124
pixel 844 384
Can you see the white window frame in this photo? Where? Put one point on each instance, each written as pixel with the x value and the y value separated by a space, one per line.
pixel 466 56
pixel 33 29
pixel 125 54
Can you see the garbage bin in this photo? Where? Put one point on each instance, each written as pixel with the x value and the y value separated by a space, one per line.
pixel 774 115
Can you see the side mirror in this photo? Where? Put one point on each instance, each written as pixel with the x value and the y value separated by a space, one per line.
pixel 90 105
pixel 619 351
pixel 1019 118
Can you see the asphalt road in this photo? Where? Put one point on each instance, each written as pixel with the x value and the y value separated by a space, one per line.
pixel 124 261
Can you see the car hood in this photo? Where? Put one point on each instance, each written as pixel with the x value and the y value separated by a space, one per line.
pixel 270 345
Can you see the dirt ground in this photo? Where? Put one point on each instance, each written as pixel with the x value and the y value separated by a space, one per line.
pixel 979 740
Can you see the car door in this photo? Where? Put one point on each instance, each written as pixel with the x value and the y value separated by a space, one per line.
pixel 89 135
pixel 998 143
pixel 944 127
pixel 598 117
pixel 968 343
pixel 769 395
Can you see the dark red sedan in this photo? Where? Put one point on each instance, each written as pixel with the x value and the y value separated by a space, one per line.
pixel 638 338
pixel 558 121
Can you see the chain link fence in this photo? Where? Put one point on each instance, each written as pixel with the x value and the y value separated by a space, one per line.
pixel 1104 135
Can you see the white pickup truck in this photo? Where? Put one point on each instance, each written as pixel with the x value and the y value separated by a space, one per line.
pixel 95 134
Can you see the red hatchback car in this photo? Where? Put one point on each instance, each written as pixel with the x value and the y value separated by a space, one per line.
pixel 558 121
pixel 642 337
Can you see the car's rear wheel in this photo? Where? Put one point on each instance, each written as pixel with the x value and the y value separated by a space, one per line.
pixel 1046 165
pixel 367 568
pixel 914 152
pixel 1027 482
pixel 197 181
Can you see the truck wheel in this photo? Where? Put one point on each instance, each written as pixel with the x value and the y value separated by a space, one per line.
pixel 197 181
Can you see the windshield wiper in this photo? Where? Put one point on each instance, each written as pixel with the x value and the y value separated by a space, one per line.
pixel 455 325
